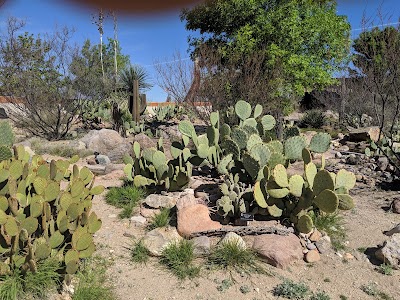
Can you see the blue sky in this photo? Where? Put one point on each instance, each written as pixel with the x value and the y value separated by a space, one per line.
pixel 150 38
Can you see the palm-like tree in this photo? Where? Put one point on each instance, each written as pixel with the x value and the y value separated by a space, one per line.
pixel 131 73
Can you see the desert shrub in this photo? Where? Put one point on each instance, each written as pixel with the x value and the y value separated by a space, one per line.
pixel 291 290
pixel 162 219
pixel 139 253
pixel 232 255
pixel 178 258
pixel 39 284
pixel 126 197
pixel 93 283
pixel 313 119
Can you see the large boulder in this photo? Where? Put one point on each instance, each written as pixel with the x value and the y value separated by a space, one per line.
pixel 195 218
pixel 364 134
pixel 107 142
pixel 278 250
pixel 390 251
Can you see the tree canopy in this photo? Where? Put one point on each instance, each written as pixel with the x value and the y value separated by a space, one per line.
pixel 303 42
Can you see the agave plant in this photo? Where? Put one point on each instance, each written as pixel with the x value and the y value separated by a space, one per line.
pixel 131 73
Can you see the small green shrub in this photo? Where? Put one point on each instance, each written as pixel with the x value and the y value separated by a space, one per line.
pixel 332 224
pixel 385 269
pixel 93 284
pixel 371 289
pixel 313 119
pixel 139 253
pixel 320 296
pixel 38 285
pixel 161 219
pixel 178 258
pixel 232 255
pixel 125 197
pixel 290 290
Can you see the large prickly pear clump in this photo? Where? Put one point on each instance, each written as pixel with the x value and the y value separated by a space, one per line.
pixel 299 197
pixel 45 211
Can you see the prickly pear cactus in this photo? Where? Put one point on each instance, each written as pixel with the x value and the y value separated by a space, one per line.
pixel 236 197
pixel 45 211
pixel 298 197
pixel 150 167
pixel 6 140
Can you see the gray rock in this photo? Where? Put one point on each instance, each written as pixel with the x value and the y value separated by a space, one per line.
pixel 103 159
pixel 338 154
pixel 311 246
pixel 156 240
pixel 97 169
pixel 158 201
pixel 279 251
pixel 352 159
pixel 396 206
pixel 107 142
pixel 202 245
pixel 138 220
pixel 324 244
pixel 390 251
pixel 395 229
pixel 382 163
pixel 234 238
pixel 144 141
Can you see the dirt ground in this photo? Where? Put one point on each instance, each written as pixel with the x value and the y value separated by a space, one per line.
pixel 333 274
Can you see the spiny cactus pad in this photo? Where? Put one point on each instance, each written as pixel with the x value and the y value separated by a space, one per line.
pixel 268 122
pixel 327 201
pixel 304 224
pixel 243 109
pixel 320 142
pixel 294 147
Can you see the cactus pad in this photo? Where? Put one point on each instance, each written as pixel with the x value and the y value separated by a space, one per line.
pixel 225 130
pixel 345 179
pixel 243 109
pixel 257 111
pixel 239 136
pixel 186 128
pixel 320 142
pixel 261 153
pixel 296 183
pixel 251 165
pixel 304 224
pixel 259 194
pixel 327 201
pixel 276 159
pixel 346 202
pixel 323 181
pixel 294 147
pixel 280 176
pixel 5 153
pixel 253 139
pixel 275 146
pixel 268 122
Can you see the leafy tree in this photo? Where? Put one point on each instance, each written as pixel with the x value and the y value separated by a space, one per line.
pixel 302 43
pixel 86 67
pixel 35 78
pixel 377 67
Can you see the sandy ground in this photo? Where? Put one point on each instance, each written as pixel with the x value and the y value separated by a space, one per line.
pixel 332 274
